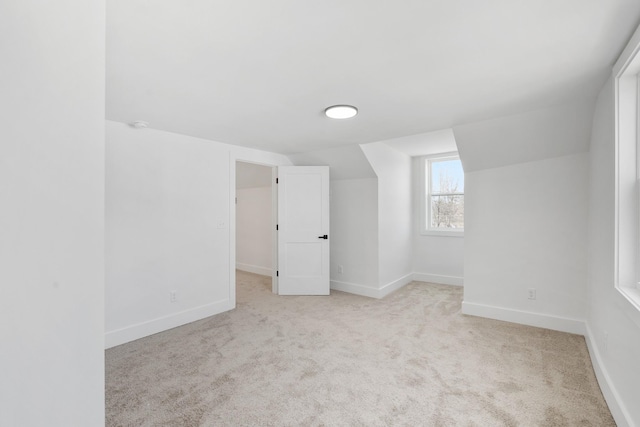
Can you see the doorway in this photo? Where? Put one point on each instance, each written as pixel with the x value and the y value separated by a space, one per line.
pixel 255 219
pixel 282 230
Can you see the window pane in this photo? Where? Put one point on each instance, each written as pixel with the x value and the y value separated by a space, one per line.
pixel 447 212
pixel 447 176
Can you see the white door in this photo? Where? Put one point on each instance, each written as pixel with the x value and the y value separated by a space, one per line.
pixel 303 230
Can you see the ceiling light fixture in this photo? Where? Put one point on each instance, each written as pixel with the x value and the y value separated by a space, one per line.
pixel 341 111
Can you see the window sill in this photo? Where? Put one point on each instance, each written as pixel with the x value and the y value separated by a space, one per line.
pixel 442 233
pixel 629 301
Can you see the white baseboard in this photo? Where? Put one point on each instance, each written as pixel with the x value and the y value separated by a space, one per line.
pixel 368 291
pixel 353 288
pixel 141 330
pixel 556 323
pixel 395 285
pixel 611 395
pixel 264 271
pixel 438 278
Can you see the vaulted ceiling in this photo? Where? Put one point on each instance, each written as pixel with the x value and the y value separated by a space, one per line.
pixel 260 73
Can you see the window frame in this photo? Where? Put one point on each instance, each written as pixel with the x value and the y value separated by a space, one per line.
pixel 425 191
pixel 627 173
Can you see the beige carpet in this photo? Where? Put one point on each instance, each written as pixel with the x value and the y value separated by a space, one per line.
pixel 344 360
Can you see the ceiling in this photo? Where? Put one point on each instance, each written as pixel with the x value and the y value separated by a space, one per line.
pixel 260 73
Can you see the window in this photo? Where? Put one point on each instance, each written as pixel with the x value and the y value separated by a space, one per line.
pixel 627 172
pixel 444 195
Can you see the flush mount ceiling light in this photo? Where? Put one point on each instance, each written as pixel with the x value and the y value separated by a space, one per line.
pixel 341 111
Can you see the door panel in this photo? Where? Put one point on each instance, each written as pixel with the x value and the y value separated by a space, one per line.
pixel 303 217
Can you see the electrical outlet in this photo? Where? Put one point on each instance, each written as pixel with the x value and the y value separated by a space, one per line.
pixel 605 342
pixel 173 296
pixel 531 293
pixel 340 269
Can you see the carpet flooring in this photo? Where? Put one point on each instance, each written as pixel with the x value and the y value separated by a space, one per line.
pixel 409 359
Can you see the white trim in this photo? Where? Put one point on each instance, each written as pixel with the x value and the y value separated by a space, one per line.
pixel 448 154
pixel 395 285
pixel 547 321
pixel 354 288
pixel 234 158
pixel 425 196
pixel 232 229
pixel 626 306
pixel 274 230
pixel 368 291
pixel 383 291
pixel 150 327
pixel 610 393
pixel 255 269
pixel 439 279
pixel 627 231
pixel 631 296
pixel 612 396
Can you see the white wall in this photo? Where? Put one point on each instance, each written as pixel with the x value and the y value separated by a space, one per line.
pixel 252 175
pixel 371 218
pixel 613 325
pixel 354 218
pixel 526 227
pixel 436 259
pixel 254 246
pixel 354 236
pixel 51 213
pixel 526 215
pixel 395 221
pixel 169 215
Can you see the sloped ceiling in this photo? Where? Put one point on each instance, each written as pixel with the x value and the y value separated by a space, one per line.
pixel 519 138
pixel 424 144
pixel 348 162
pixel 260 73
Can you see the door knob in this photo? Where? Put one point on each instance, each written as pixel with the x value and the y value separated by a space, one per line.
pixel 325 237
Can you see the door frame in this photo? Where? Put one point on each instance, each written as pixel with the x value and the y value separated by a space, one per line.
pixel 233 159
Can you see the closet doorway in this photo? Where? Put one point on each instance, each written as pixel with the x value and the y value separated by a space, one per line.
pixel 255 219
